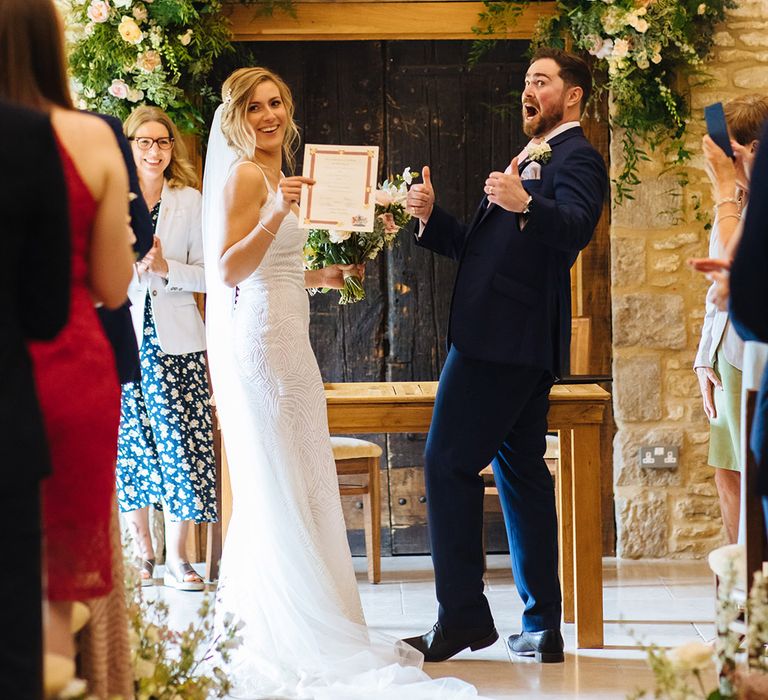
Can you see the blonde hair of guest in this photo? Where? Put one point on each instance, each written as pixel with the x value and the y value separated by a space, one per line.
pixel 180 171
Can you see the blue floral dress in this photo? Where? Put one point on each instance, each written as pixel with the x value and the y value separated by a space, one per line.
pixel 165 452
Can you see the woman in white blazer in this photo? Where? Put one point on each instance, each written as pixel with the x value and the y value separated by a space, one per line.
pixel 165 447
pixel 720 357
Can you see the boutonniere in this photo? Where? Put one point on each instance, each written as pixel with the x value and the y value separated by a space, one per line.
pixel 540 152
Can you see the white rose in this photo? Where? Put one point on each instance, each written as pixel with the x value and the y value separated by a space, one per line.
pixel 98 11
pixel 642 61
pixel 118 89
pixel 186 37
pixel 144 668
pixel 620 48
pixel 641 25
pixel 129 30
pixel 605 50
pixel 701 9
pixel 148 61
pixel 140 13
pixel 691 657
pixel 337 236
pixel 656 58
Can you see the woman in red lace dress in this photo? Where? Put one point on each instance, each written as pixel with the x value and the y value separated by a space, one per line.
pixel 75 373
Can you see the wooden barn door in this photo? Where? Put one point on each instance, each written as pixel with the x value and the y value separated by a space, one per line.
pixel 421 103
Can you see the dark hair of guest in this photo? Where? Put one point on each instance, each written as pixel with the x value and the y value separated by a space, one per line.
pixel 574 70
pixel 32 64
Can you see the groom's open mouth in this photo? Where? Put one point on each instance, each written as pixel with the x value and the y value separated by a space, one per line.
pixel 530 111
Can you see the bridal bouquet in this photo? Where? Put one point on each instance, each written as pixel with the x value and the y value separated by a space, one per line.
pixel 324 247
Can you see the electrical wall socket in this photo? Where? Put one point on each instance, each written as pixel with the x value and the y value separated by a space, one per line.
pixel 658 457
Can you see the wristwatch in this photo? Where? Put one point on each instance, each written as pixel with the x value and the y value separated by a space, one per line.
pixel 527 209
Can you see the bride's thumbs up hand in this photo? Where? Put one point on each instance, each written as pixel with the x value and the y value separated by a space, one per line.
pixel 289 192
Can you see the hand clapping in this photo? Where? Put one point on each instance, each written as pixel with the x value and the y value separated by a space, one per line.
pixel 154 262
pixel 506 189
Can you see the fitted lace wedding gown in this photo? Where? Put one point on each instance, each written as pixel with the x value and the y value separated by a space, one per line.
pixel 286 569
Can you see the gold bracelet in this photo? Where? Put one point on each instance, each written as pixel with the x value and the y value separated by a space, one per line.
pixel 266 229
pixel 728 200
pixel 720 217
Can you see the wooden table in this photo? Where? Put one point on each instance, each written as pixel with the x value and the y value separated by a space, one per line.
pixel 575 413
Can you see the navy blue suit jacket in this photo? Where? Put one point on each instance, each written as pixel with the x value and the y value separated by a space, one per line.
pixel 749 293
pixel 117 323
pixel 512 297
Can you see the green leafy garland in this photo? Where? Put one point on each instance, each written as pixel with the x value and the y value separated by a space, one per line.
pixel 126 53
pixel 642 50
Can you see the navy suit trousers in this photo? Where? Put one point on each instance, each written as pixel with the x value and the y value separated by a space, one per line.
pixel 490 412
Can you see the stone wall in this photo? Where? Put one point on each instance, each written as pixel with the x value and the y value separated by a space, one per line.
pixel 658 305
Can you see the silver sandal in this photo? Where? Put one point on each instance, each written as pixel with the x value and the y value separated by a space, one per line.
pixel 147 566
pixel 176 577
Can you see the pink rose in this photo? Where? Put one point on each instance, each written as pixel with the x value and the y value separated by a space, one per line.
pixel 118 89
pixel 389 223
pixel 148 61
pixel 98 11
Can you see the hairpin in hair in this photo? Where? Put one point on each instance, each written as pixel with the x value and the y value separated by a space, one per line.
pixel 228 97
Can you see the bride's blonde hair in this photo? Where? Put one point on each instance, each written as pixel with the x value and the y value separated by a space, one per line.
pixel 236 94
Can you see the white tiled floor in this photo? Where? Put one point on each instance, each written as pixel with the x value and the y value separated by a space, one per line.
pixel 662 602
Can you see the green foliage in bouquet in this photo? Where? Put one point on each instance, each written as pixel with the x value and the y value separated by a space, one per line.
pixel 171 664
pixel 643 51
pixel 324 248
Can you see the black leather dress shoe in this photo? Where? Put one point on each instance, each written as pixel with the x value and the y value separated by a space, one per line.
pixel 545 646
pixel 436 645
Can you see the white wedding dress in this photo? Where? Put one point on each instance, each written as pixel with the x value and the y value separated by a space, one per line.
pixel 286 569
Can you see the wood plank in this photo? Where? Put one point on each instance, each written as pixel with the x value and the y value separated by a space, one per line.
pixel 587 548
pixel 564 490
pixel 317 21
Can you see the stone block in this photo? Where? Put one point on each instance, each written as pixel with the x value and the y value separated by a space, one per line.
pixel 675 412
pixel 696 507
pixel 683 384
pixel 734 55
pixel 678 240
pixel 636 399
pixel 754 78
pixel 758 39
pixel 751 9
pixel 649 320
pixel 642 525
pixel 626 445
pixel 627 261
pixel 697 532
pixel 724 39
pixel 656 204
pixel 667 263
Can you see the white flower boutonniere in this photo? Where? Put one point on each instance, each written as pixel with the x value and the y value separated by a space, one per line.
pixel 540 152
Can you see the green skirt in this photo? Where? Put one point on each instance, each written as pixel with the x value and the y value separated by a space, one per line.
pixel 725 430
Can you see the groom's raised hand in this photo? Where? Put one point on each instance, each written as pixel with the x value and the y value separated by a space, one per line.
pixel 421 197
pixel 506 189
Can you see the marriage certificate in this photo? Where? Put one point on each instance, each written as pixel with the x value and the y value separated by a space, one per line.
pixel 344 194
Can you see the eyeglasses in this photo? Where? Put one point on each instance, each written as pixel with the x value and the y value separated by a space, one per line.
pixel 165 143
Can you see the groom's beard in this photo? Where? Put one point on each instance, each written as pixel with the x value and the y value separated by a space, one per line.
pixel 542 124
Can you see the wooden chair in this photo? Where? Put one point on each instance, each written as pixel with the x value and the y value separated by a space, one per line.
pixel 355 457
pixel 558 459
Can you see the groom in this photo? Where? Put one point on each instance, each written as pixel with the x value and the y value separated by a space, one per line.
pixel 509 337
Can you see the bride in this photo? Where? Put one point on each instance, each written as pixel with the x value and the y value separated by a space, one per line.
pixel 286 568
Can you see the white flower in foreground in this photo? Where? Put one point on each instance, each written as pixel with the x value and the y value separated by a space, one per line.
pixel 691 657
pixel 620 48
pixel 539 152
pixel 144 668
pixel 383 198
pixel 407 176
pixel 118 89
pixel 129 30
pixel 186 37
pixel 74 689
pixel 338 236
pixel 98 11
pixel 727 559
